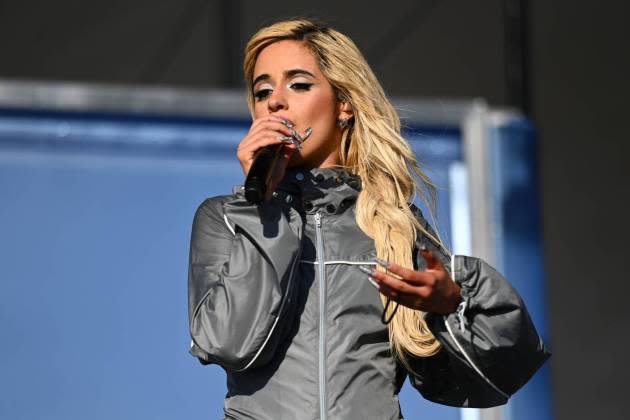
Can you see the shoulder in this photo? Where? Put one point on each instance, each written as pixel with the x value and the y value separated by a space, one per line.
pixel 209 215
pixel 213 206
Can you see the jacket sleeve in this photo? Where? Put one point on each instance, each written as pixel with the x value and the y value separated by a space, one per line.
pixel 490 345
pixel 240 280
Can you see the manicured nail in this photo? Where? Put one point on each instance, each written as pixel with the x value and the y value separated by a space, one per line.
pixel 287 123
pixel 288 139
pixel 368 271
pixel 383 263
pixel 370 276
pixel 375 284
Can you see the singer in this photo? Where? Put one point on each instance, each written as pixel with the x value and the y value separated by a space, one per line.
pixel 320 300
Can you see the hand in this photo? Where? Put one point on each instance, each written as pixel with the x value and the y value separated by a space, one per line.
pixel 263 132
pixel 432 290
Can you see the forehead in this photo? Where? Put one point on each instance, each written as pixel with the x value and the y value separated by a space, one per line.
pixel 285 55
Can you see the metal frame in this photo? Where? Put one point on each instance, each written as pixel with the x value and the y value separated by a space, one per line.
pixel 208 103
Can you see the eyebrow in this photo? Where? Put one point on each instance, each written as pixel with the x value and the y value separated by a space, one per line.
pixel 287 74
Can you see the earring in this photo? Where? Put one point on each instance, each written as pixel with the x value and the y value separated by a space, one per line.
pixel 344 122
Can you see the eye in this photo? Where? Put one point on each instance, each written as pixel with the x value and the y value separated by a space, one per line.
pixel 262 94
pixel 301 86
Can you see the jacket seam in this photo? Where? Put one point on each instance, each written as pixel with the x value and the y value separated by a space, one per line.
pixel 470 361
pixel 282 305
pixel 459 346
pixel 227 222
pixel 195 313
pixel 340 262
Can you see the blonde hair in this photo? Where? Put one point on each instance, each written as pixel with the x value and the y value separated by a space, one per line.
pixel 374 149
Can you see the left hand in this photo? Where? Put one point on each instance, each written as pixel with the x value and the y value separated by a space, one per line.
pixel 432 290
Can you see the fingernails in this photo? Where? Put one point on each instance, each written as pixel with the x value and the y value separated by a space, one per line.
pixel 300 138
pixel 287 122
pixel 368 271
pixel 383 263
pixel 370 276
pixel 375 284
pixel 289 140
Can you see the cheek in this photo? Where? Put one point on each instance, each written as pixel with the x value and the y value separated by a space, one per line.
pixel 260 110
pixel 321 112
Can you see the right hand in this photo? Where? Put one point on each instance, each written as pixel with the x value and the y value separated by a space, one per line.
pixel 266 131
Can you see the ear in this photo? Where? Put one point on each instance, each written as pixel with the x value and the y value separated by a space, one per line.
pixel 345 110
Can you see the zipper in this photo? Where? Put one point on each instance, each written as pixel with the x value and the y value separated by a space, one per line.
pixel 321 267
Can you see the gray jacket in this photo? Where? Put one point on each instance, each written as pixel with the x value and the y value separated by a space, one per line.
pixel 277 299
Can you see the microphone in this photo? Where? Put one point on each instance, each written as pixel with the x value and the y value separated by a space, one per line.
pixel 259 176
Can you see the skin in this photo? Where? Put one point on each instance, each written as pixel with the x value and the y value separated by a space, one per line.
pixel 432 290
pixel 290 89
pixel 304 98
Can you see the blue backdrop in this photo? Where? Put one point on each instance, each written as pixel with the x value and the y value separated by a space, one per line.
pixel 95 219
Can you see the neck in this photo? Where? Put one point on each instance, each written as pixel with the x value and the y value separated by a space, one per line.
pixel 328 160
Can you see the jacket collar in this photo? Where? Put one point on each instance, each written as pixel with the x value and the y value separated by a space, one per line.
pixel 331 190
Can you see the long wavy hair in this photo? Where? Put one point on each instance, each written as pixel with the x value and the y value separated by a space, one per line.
pixel 373 148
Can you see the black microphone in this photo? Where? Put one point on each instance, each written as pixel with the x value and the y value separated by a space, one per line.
pixel 259 175
pixel 265 159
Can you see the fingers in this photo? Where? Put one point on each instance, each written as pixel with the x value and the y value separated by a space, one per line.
pixel 247 152
pixel 270 125
pixel 399 291
pixel 398 285
pixel 432 262
pixel 264 132
pixel 268 119
pixel 416 278
pixel 431 290
pixel 263 129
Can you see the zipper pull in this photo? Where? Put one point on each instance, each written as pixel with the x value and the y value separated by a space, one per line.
pixel 461 308
pixel 318 219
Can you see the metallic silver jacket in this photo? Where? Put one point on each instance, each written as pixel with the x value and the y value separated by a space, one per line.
pixel 277 299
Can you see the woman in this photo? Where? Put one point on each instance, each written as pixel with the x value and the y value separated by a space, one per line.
pixel 278 292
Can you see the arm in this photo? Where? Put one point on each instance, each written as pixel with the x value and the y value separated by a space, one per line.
pixel 490 346
pixel 241 265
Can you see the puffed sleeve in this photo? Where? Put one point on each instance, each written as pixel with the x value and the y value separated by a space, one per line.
pixel 490 345
pixel 242 263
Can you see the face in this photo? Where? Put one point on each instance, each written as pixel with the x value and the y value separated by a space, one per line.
pixel 289 84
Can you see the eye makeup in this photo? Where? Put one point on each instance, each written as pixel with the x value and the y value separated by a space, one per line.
pixel 263 93
pixel 300 85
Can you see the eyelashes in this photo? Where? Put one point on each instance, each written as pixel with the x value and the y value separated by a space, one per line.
pixel 301 86
pixel 264 93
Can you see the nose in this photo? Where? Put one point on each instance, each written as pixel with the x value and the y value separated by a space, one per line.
pixel 277 100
